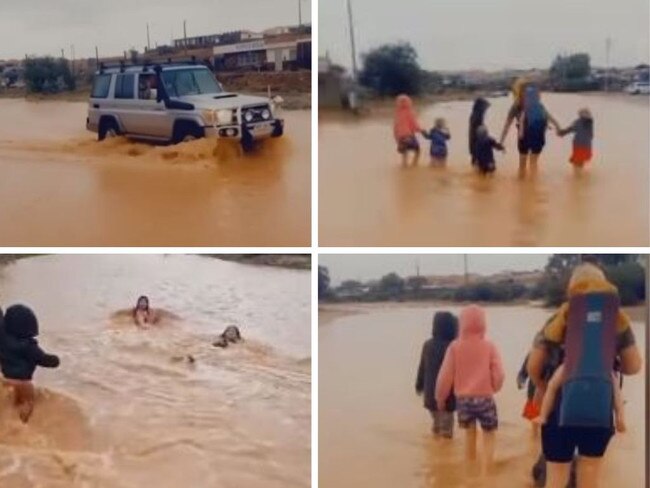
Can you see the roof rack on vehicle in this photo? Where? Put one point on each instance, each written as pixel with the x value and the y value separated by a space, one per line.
pixel 147 64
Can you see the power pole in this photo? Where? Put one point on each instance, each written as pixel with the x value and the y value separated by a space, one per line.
pixel 466 268
pixel 97 56
pixel 62 54
pixel 148 40
pixel 352 42
pixel 185 34
pixel 72 54
pixel 299 13
pixel 608 48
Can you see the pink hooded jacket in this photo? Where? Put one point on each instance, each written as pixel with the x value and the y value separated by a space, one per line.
pixel 472 364
pixel 406 125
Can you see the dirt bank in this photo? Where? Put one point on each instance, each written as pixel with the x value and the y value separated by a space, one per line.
pixel 292 261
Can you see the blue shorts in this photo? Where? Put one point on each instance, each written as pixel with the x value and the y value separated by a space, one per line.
pixel 409 143
pixel 477 409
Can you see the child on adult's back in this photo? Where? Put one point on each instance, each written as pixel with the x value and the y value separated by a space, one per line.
pixel 472 368
pixel 444 331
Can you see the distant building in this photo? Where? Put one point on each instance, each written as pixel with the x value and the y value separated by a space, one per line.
pixel 214 39
pixel 271 53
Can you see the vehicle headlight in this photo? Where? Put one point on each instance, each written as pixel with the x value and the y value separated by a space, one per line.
pixel 208 116
pixel 224 117
pixel 248 116
pixel 266 114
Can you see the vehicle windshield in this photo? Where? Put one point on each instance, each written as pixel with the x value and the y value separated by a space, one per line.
pixel 191 81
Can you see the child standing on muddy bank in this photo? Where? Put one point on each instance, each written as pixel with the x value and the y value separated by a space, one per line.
pixel 444 331
pixel 472 368
pixel 20 354
pixel 405 128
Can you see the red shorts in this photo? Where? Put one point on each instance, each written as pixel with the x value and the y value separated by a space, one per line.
pixel 580 155
pixel 531 410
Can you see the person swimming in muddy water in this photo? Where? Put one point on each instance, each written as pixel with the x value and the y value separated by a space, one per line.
pixel 143 315
pixel 564 431
pixel 20 354
pixel 231 335
pixel 405 130
pixel 532 120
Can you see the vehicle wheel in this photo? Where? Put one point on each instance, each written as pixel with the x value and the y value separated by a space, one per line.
pixel 107 129
pixel 278 131
pixel 186 133
pixel 247 142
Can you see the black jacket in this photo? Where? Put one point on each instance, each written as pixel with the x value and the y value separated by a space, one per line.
pixel 484 153
pixel 444 331
pixel 476 119
pixel 19 350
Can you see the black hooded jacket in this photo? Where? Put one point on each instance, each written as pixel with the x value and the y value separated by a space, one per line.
pixel 476 119
pixel 444 331
pixel 19 350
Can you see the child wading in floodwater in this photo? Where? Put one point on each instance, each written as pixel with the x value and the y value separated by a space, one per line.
pixel 484 151
pixel 476 120
pixel 438 135
pixel 405 129
pixel 20 354
pixel 444 331
pixel 472 368
pixel 583 135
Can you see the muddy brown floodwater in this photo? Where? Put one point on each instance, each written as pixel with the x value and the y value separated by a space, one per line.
pixel 126 410
pixel 366 198
pixel 59 187
pixel 374 431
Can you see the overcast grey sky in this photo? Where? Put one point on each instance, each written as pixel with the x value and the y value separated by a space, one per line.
pixel 365 267
pixel 46 26
pixel 490 34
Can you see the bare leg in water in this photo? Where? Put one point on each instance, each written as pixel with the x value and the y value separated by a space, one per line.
pixel 470 442
pixel 487 456
pixel 24 397
pixel 557 474
pixel 523 158
pixel 533 164
pixel 589 472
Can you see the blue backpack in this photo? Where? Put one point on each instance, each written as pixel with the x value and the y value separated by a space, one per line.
pixel 590 350
pixel 535 115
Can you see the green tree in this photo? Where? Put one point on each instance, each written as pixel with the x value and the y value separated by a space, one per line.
pixel 414 284
pixel 391 286
pixel 392 69
pixel 323 282
pixel 48 75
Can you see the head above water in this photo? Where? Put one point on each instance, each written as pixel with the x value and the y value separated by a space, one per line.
pixel 445 326
pixel 480 107
pixel 586 272
pixel 473 322
pixel 584 113
pixel 142 303
pixel 20 321
pixel 231 334
pixel 403 102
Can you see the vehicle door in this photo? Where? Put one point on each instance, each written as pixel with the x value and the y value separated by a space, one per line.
pixel 124 100
pixel 151 117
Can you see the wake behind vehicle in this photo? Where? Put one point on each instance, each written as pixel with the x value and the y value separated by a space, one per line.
pixel 176 102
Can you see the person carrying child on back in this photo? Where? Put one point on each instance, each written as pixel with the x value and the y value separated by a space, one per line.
pixel 473 369
pixel 20 354
pixel 405 128
pixel 579 410
pixel 444 331
pixel 484 151
pixel 438 135
pixel 583 136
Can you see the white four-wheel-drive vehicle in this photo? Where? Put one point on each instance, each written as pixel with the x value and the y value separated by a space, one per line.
pixel 638 88
pixel 176 102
